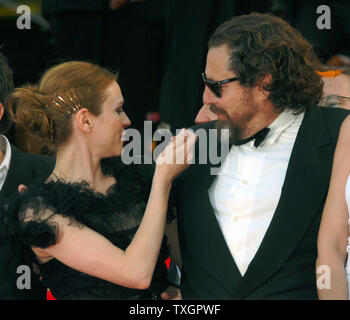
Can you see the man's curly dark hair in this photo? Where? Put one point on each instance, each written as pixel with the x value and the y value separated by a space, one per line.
pixel 6 87
pixel 263 44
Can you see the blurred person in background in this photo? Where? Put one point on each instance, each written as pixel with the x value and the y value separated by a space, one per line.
pixel 16 168
pixel 336 90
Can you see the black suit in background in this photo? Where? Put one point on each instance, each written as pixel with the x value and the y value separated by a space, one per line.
pixel 303 16
pixel 24 168
pixel 284 265
pixel 78 28
pixel 136 33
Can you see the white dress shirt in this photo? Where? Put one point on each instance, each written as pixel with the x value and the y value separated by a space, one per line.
pixel 5 165
pixel 246 192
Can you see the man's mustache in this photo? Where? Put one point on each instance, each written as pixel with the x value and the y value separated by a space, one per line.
pixel 213 108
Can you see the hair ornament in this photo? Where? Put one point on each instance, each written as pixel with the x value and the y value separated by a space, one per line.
pixel 68 101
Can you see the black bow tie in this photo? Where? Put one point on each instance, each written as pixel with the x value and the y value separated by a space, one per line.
pixel 258 137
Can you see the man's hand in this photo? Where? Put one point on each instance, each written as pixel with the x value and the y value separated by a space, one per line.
pixel 171 293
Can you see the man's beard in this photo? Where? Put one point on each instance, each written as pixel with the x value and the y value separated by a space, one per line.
pixel 233 132
pixel 238 123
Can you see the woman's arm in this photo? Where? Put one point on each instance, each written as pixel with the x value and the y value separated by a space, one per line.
pixel 87 251
pixel 334 230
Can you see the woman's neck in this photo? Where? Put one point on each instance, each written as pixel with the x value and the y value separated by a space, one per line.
pixel 76 164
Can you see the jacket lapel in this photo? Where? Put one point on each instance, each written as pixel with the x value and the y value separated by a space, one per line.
pixel 227 264
pixel 303 193
pixel 19 172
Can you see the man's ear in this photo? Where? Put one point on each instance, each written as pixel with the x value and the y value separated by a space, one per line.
pixel 2 110
pixel 262 84
pixel 83 120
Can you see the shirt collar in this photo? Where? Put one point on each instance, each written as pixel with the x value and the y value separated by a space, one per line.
pixel 280 125
pixel 6 149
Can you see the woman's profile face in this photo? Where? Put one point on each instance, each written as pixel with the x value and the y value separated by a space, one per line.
pixel 110 124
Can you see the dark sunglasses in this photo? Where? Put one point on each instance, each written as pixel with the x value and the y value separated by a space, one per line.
pixel 216 86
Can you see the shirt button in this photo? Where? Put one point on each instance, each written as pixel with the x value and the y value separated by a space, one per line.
pixel 236 218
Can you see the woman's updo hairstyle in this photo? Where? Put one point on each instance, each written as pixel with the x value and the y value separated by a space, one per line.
pixel 43 112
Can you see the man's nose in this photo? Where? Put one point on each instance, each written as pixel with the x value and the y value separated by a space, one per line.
pixel 205 115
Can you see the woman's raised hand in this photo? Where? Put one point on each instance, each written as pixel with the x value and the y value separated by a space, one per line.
pixel 177 156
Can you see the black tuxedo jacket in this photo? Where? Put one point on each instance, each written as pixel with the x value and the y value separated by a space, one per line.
pixel 24 168
pixel 284 265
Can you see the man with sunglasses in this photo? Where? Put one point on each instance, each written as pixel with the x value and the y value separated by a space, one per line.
pixel 250 232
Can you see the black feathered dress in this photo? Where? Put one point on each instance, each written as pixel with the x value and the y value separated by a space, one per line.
pixel 116 215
